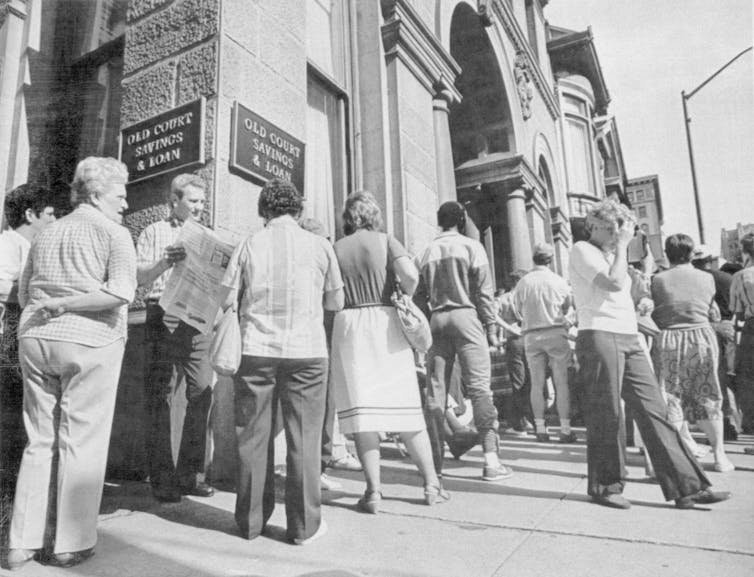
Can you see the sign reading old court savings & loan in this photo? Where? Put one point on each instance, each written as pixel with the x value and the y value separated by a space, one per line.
pixel 263 151
pixel 169 141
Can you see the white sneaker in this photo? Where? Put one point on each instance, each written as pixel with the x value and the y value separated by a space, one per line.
pixel 320 533
pixel 327 483
pixel 346 463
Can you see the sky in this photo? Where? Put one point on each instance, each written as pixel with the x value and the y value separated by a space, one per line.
pixel 651 50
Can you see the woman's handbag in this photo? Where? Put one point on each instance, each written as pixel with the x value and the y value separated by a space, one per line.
pixel 414 324
pixel 225 350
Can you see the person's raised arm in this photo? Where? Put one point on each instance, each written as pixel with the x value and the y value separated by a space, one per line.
pixel 617 275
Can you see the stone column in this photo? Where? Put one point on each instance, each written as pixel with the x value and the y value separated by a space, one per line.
pixel 518 230
pixel 446 177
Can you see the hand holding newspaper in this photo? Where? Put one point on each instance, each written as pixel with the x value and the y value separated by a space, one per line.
pixel 193 290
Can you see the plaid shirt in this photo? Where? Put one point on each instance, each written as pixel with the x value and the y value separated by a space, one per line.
pixel 284 272
pixel 149 248
pixel 78 254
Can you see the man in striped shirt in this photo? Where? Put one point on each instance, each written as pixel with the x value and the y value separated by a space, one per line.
pixel 286 277
pixel 173 343
pixel 455 283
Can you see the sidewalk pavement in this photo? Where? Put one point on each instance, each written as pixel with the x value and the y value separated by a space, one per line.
pixel 540 523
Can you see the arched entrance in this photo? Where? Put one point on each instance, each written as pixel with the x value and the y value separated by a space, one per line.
pixel 484 148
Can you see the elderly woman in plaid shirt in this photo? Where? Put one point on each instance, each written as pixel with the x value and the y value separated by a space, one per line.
pixel 78 281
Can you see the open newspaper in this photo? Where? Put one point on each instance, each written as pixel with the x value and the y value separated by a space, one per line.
pixel 193 291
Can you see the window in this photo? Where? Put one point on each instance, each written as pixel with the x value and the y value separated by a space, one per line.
pixel 326 37
pixel 579 156
pixel 327 142
pixel 531 27
pixel 642 212
pixel 573 105
pixel 639 195
pixel 326 167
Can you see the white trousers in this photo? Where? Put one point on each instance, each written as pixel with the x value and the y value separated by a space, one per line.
pixel 69 400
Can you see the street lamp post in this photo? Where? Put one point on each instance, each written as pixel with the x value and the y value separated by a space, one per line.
pixel 684 98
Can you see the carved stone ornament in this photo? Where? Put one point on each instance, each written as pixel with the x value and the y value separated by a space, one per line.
pixel 484 10
pixel 523 84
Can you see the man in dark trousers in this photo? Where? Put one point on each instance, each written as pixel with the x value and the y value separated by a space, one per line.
pixel 455 285
pixel 172 343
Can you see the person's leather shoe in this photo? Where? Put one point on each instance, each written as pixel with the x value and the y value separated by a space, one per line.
pixel 705 497
pixel 200 489
pixel 568 438
pixel 65 560
pixel 612 500
pixel 167 493
pixel 17 558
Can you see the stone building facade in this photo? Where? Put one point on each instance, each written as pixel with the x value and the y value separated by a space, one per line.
pixel 644 195
pixel 418 101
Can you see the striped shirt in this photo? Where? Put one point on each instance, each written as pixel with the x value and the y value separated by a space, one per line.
pixel 455 273
pixel 742 293
pixel 150 247
pixel 284 272
pixel 78 254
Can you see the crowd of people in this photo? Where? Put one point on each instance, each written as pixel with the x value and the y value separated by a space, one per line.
pixel 320 336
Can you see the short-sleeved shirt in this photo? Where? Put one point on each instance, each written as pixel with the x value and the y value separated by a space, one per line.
pixel 366 265
pixel 597 308
pixel 14 250
pixel 682 296
pixel 150 246
pixel 742 293
pixel 454 273
pixel 538 299
pixel 78 254
pixel 283 272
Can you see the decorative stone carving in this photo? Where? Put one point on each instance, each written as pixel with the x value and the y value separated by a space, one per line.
pixel 485 12
pixel 524 87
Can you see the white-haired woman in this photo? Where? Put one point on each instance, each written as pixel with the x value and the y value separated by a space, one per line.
pixel 75 290
pixel 613 364
pixel 372 364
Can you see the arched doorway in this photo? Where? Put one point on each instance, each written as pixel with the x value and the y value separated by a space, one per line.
pixel 482 134
pixel 481 123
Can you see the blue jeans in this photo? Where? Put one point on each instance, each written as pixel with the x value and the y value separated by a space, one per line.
pixel 613 365
pixel 458 334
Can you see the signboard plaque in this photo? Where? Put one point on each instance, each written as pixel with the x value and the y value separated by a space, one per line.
pixel 169 141
pixel 263 151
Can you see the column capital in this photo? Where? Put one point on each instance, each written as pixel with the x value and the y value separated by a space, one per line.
pixel 445 94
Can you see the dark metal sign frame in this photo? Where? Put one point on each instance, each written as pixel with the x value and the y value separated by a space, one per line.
pixel 194 145
pixel 277 149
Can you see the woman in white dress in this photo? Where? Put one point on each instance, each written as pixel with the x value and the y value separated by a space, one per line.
pixel 372 364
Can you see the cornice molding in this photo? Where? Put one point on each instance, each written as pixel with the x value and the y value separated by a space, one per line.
pixel 406 36
pixel 504 14
pixel 512 170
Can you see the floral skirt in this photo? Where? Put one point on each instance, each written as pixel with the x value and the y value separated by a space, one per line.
pixel 685 362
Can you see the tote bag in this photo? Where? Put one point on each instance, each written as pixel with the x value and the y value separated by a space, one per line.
pixel 414 324
pixel 225 350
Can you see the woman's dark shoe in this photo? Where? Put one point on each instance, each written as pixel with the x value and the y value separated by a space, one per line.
pixel 65 560
pixel 370 502
pixel 199 489
pixel 17 558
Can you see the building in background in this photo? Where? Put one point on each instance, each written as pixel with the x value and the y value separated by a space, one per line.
pixel 418 101
pixel 730 249
pixel 643 194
